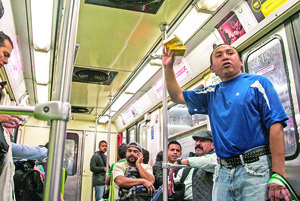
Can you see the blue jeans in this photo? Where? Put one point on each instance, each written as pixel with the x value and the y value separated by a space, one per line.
pixel 157 193
pixel 99 191
pixel 243 183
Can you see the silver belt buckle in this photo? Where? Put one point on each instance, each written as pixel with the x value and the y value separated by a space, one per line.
pixel 224 162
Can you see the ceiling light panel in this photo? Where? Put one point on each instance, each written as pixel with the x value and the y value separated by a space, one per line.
pixel 41 12
pixel 142 78
pixel 190 24
pixel 123 98
pixel 209 4
pixel 42 93
pixel 41 63
pixel 104 119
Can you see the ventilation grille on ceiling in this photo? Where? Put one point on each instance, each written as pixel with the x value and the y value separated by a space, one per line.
pixel 81 110
pixel 146 6
pixel 93 76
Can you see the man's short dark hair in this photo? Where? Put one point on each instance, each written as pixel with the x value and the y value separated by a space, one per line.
pixel 159 156
pixel 174 142
pixel 4 37
pixel 145 156
pixel 223 44
pixel 102 141
pixel 122 150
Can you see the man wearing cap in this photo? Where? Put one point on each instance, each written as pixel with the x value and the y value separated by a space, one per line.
pixel 199 179
pixel 134 162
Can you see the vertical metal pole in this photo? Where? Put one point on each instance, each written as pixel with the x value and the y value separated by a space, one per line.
pixel 95 147
pixel 164 28
pixel 108 136
pixel 62 92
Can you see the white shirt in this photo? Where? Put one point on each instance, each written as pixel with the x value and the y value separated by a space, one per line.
pixel 8 171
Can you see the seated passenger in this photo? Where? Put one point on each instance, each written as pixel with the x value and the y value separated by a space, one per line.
pixel 132 172
pixel 145 156
pixel 109 178
pixel 174 152
pixel 199 178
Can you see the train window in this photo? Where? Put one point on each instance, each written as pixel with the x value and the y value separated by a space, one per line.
pixel 71 153
pixel 269 60
pixel 180 119
pixel 131 134
pixel 142 134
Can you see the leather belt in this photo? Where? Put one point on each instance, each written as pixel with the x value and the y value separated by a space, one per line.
pixel 249 156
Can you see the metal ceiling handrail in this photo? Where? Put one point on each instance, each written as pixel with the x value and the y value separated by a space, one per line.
pixel 53 110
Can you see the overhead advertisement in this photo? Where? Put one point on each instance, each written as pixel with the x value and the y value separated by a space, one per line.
pixel 262 8
pixel 182 71
pixel 132 111
pixel 15 65
pixel 230 28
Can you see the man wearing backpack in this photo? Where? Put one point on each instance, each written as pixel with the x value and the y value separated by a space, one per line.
pixel 7 168
pixel 198 178
pixel 133 173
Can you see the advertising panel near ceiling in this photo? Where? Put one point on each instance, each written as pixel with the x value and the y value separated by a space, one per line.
pixel 182 71
pixel 15 65
pixel 262 8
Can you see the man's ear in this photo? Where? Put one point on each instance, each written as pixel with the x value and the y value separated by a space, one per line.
pixel 211 68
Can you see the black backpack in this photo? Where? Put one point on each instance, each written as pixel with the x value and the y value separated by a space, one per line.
pixel 28 185
pixel 135 193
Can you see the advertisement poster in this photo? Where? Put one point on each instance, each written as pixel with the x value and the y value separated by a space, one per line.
pixel 182 71
pixel 230 28
pixel 262 8
pixel 245 16
pixel 15 65
pixel 132 111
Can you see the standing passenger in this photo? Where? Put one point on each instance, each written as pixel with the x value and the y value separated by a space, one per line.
pixel 98 167
pixel 7 167
pixel 247 121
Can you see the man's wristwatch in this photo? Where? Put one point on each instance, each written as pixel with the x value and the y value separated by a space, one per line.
pixel 179 161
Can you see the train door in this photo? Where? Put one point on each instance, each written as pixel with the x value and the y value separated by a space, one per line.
pixel 73 166
pixel 87 191
pixel 272 57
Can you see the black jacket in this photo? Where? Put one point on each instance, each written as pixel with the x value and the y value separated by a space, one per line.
pixel 97 165
pixel 158 174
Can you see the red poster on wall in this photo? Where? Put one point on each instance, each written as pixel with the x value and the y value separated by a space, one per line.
pixel 230 28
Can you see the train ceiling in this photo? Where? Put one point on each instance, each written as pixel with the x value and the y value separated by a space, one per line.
pixel 114 41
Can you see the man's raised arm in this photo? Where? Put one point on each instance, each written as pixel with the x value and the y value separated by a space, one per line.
pixel 173 87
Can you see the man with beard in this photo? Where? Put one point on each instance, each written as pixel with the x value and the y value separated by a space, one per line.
pixel 133 172
pixel 199 179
